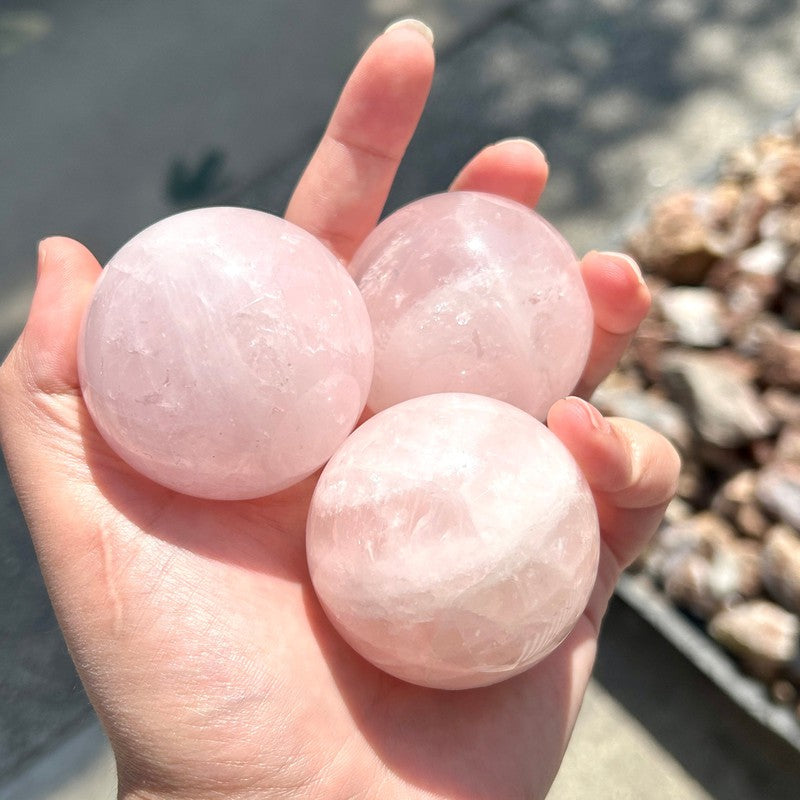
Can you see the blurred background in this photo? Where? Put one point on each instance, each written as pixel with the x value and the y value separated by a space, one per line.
pixel 114 115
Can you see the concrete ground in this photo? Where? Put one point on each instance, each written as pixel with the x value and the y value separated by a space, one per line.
pixel 113 115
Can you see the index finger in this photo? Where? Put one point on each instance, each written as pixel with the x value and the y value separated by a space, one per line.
pixel 343 190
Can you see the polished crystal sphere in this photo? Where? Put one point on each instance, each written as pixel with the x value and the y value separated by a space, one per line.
pixel 453 541
pixel 226 353
pixel 469 292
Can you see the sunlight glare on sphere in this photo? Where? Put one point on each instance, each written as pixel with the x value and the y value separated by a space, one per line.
pixel 469 292
pixel 453 541
pixel 225 353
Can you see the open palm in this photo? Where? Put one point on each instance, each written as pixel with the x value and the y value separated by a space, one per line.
pixel 193 623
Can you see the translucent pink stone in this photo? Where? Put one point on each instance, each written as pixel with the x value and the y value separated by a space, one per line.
pixel 453 541
pixel 225 354
pixel 469 292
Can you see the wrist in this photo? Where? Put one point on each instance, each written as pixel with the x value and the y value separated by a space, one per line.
pixel 147 794
pixel 145 789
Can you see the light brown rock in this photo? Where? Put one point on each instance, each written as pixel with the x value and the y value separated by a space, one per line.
pixel 702 583
pixel 746 555
pixel 724 410
pixel 783 405
pixel 648 347
pixel 703 564
pixel 676 241
pixel 765 258
pixel 780 566
pixel 751 521
pixel 760 633
pixel 763 451
pixel 713 532
pixel 694 314
pixel 735 500
pixel 780 360
pixel 791 274
pixel 750 333
pixel 741 488
pixel 787 447
pixel 740 164
pixel 777 176
pixel 783 691
pixel 785 173
pixel 782 223
pixel 702 534
pixel 778 490
pixel 693 484
pixel 746 297
pixel 677 511
pixel 688 585
pixel 646 407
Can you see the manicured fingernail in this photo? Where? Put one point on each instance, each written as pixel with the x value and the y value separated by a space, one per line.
pixel 40 258
pixel 631 262
pixel 412 24
pixel 524 141
pixel 590 414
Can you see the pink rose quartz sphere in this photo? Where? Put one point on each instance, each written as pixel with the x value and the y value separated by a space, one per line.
pixel 226 353
pixel 453 541
pixel 469 292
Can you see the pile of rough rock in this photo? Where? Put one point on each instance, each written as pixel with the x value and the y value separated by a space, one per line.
pixel 716 368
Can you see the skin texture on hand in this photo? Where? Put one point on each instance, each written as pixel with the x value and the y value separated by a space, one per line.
pixel 193 624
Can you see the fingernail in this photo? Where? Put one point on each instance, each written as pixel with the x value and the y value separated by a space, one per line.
pixel 631 262
pixel 524 141
pixel 41 255
pixel 590 414
pixel 411 24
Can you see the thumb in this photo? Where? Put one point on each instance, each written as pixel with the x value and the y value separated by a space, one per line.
pixel 40 405
pixel 45 356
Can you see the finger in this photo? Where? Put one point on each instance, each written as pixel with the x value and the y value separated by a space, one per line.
pixel 40 402
pixel 343 190
pixel 46 353
pixel 631 469
pixel 633 474
pixel 514 168
pixel 620 300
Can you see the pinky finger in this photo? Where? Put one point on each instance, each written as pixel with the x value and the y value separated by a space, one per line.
pixel 633 474
pixel 631 469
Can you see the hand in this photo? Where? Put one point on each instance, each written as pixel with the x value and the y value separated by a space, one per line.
pixel 193 624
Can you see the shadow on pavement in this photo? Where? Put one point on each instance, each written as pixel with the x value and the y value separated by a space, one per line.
pixel 723 748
